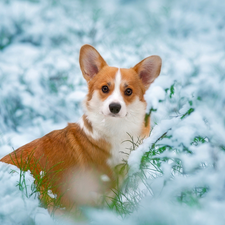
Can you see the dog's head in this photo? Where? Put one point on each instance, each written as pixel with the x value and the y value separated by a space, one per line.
pixel 114 92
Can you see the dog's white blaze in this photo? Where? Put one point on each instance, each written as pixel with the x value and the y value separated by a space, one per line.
pixel 115 97
pixel 116 93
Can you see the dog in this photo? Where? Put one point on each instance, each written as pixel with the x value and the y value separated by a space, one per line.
pixel 78 164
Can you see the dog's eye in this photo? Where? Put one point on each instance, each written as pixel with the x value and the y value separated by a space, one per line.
pixel 105 89
pixel 128 92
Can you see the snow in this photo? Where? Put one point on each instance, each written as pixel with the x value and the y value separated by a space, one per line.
pixel 135 157
pixel 153 96
pixel 41 89
pixel 15 208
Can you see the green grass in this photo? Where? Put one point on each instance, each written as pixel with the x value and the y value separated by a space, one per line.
pixel 41 187
pixel 127 199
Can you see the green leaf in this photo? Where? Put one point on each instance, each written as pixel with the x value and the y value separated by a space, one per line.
pixel 191 110
pixel 172 90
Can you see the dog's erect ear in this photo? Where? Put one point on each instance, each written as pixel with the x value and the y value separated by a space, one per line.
pixel 148 69
pixel 91 62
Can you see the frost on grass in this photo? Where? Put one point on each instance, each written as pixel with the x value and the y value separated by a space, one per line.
pixel 177 174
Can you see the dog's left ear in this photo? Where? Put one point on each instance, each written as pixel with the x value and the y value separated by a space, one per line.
pixel 148 69
pixel 91 62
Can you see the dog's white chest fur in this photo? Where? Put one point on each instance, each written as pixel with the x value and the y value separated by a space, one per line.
pixel 119 132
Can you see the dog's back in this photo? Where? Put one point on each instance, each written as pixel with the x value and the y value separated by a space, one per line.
pixel 60 155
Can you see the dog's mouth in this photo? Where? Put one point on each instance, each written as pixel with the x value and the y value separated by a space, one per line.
pixel 114 115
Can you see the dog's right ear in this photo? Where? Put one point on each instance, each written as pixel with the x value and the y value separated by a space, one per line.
pixel 91 62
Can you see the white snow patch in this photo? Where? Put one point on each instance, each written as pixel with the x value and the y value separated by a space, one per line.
pixel 153 95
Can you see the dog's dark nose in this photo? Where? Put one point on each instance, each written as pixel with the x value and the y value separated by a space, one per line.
pixel 114 108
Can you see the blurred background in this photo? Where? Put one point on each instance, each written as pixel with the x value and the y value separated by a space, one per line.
pixel 42 88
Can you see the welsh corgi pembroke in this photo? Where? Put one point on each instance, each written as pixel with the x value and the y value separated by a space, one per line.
pixel 78 164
